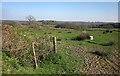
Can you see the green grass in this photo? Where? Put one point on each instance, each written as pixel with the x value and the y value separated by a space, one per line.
pixel 61 62
pixel 66 60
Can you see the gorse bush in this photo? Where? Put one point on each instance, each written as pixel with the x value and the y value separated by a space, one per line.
pixel 83 35
pixel 20 46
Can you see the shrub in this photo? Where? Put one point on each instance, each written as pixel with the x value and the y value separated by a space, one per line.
pixel 20 46
pixel 108 43
pixel 83 35
pixel 69 32
pixel 59 32
pixel 99 53
pixel 110 31
pixel 107 31
pixel 68 25
pixel 60 26
pixel 53 58
pixel 58 39
pixel 45 33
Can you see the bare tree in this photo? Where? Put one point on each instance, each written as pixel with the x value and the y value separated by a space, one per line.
pixel 30 19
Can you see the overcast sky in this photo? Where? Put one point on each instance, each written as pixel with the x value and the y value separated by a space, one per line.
pixel 62 11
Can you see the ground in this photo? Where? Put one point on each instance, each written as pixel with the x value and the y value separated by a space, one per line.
pixel 75 56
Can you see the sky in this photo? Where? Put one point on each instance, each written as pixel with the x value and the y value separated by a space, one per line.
pixel 60 0
pixel 61 11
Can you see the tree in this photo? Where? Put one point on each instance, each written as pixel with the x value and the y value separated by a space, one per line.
pixel 30 19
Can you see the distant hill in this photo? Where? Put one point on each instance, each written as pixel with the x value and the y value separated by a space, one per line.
pixel 72 23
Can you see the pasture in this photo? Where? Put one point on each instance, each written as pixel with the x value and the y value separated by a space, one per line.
pixel 72 57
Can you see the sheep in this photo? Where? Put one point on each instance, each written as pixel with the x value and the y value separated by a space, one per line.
pixel 91 38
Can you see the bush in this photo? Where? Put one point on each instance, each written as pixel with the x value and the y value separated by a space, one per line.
pixel 53 58
pixel 107 31
pixel 108 43
pixel 58 39
pixel 69 32
pixel 83 35
pixel 20 46
pixel 99 53
pixel 68 25
pixel 59 32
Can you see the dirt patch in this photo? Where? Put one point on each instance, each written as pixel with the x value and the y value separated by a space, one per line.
pixel 95 64
pixel 99 65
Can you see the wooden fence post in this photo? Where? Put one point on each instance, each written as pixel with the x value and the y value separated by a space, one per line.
pixel 54 44
pixel 34 55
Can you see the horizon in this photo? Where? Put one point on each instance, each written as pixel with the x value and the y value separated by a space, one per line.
pixel 62 11
pixel 65 21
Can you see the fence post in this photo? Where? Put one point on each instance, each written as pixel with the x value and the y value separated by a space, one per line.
pixel 34 54
pixel 54 44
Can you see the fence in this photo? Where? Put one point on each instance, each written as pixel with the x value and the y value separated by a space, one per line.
pixel 31 52
pixel 43 52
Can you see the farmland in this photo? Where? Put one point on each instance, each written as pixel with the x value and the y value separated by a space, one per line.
pixel 98 56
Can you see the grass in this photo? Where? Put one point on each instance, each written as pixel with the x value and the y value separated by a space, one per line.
pixel 66 60
pixel 58 63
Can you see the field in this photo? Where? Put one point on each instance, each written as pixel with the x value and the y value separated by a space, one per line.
pixel 98 56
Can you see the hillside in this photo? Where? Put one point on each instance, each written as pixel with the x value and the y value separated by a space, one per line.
pixel 99 56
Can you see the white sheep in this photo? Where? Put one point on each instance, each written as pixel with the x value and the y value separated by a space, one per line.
pixel 91 37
